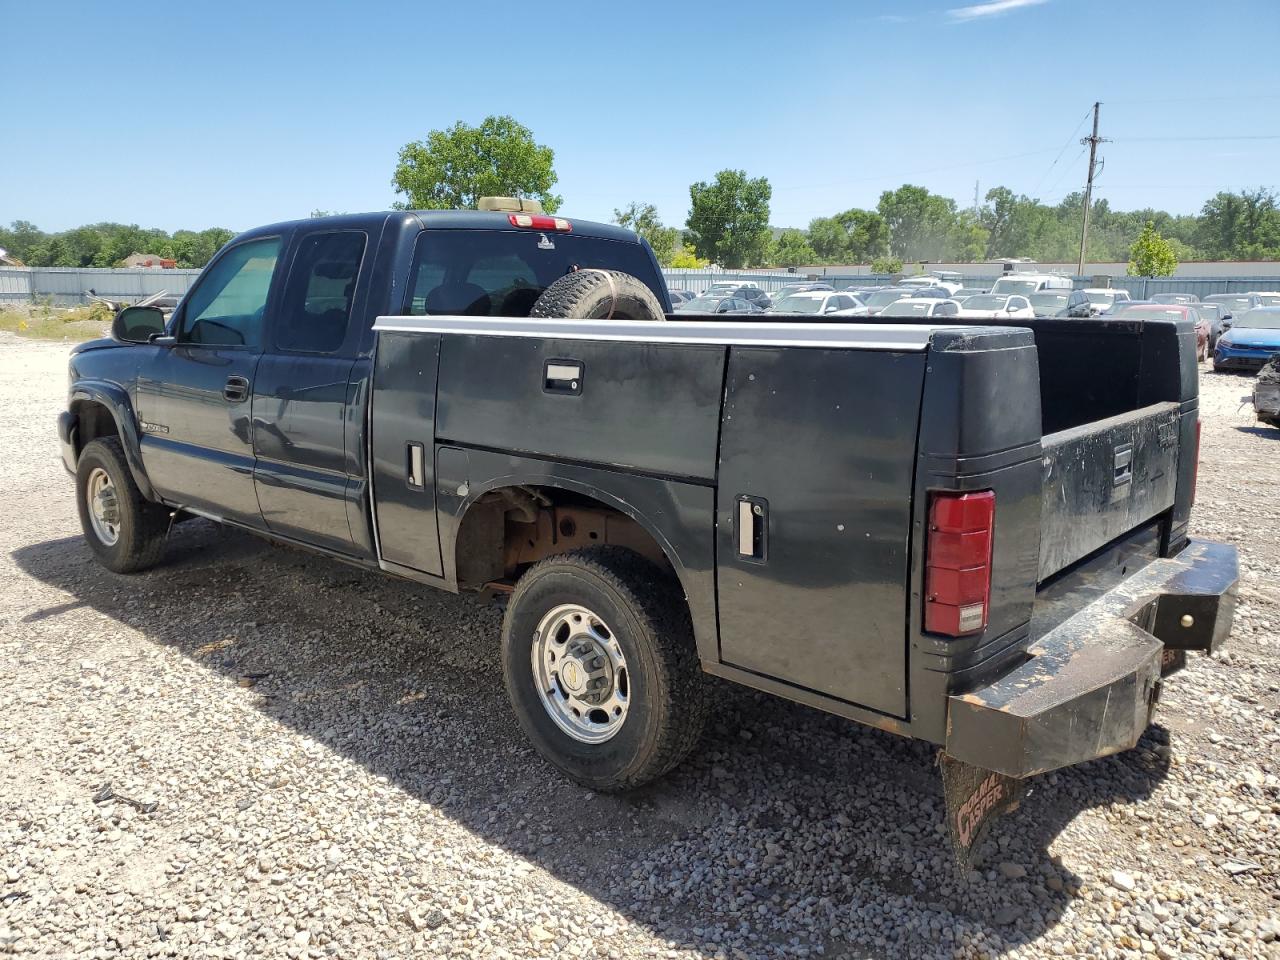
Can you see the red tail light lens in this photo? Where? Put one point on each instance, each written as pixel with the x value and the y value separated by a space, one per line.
pixel 958 562
pixel 1195 470
pixel 538 222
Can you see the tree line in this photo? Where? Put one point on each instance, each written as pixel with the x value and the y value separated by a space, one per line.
pixel 108 244
pixel 729 218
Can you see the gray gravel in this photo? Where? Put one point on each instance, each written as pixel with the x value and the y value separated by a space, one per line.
pixel 334 773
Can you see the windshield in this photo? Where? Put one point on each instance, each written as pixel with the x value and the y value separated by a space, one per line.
pixel 908 308
pixel 985 302
pixel 1171 312
pixel 702 304
pixel 1269 299
pixel 1258 320
pixel 798 304
pixel 1104 298
pixel 883 298
pixel 1048 301
pixel 1235 303
pixel 1210 310
pixel 1008 285
pixel 501 273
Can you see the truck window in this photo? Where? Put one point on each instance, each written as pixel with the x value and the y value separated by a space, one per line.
pixel 317 300
pixel 501 273
pixel 226 307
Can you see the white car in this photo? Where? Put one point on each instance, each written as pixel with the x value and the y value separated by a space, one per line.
pixel 1269 298
pixel 724 287
pixel 995 306
pixel 921 307
pixel 828 303
pixel 1102 299
pixel 1025 283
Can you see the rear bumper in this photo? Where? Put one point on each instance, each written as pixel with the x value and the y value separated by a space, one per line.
pixel 67 439
pixel 1090 685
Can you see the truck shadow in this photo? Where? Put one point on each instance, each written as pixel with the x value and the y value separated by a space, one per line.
pixel 785 821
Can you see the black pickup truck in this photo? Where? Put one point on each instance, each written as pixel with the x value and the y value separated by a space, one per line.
pixel 972 535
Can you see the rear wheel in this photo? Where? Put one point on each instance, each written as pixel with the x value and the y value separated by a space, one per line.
pixel 124 529
pixel 600 667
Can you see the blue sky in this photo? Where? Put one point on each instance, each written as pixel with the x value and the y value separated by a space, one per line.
pixel 233 113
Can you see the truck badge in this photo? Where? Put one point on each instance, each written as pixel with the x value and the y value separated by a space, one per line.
pixel 152 427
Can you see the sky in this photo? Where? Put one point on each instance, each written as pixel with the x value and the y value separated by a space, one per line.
pixel 234 114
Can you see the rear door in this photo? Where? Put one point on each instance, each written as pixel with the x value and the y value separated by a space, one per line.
pixel 194 398
pixel 305 470
pixel 817 456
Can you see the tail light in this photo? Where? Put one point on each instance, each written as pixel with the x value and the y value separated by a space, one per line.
pixel 958 562
pixel 1195 469
pixel 538 222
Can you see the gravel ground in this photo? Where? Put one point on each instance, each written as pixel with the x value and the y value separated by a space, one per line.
pixel 319 762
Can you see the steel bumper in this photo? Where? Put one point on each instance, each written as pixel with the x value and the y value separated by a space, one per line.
pixel 1089 686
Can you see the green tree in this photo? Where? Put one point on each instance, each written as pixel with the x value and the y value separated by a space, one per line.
pixel 919 222
pixel 886 265
pixel 729 219
pixel 1243 225
pixel 686 259
pixel 454 168
pixel 1151 254
pixel 791 249
pixel 643 219
pixel 828 239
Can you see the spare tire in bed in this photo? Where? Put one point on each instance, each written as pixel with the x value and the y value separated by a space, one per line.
pixel 598 295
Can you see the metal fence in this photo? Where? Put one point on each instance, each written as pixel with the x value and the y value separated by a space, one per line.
pixel 67 286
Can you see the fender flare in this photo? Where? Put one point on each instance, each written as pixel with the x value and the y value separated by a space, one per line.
pixel 116 400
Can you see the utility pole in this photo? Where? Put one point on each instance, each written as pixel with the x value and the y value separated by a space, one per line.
pixel 1092 143
pixel 975 197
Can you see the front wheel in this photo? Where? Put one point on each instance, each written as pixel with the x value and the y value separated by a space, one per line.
pixel 124 529
pixel 601 669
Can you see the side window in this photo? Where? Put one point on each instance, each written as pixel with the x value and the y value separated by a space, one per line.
pixel 946 310
pixel 227 305
pixel 317 300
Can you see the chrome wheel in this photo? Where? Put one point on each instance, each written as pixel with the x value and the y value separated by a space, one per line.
pixel 104 508
pixel 581 674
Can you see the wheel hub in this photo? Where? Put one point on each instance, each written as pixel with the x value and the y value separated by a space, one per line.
pixel 580 673
pixel 104 506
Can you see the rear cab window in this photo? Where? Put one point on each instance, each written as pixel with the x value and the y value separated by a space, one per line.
pixel 501 273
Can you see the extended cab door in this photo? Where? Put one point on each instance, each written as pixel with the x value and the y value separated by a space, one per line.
pixel 307 467
pixel 194 398
pixel 817 460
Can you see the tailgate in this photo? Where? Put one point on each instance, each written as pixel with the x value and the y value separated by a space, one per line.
pixel 1103 479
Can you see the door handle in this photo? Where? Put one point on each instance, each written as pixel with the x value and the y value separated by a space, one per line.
pixel 753 528
pixel 236 389
pixel 562 376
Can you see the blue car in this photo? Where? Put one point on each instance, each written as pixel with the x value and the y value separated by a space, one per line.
pixel 1249 340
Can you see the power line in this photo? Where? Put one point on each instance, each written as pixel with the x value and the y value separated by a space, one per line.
pixel 1072 137
pixel 1243 136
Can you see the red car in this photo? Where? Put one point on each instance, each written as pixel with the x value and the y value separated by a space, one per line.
pixel 1149 308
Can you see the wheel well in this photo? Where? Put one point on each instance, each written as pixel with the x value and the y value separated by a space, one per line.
pixel 93 420
pixel 507 530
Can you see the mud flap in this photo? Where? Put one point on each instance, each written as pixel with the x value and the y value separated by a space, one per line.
pixel 975 797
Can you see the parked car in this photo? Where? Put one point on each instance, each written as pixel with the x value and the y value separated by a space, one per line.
pixel 1182 298
pixel 1213 313
pixel 929 293
pixel 877 301
pixel 820 302
pixel 870 528
pixel 743 291
pixel 1102 299
pixel 1233 303
pixel 1029 283
pixel 921 307
pixel 994 306
pixel 1267 298
pixel 946 281
pixel 680 296
pixel 1151 309
pixel 1248 340
pixel 964 292
pixel 1052 302
pixel 726 287
pixel 718 303
pixel 791 288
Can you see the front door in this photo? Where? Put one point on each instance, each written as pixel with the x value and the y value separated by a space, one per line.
pixel 306 472
pixel 195 397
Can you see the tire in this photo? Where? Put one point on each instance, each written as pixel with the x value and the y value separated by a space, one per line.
pixel 643 610
pixel 598 295
pixel 140 526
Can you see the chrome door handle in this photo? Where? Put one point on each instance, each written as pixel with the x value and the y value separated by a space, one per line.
pixel 753 528
pixel 236 389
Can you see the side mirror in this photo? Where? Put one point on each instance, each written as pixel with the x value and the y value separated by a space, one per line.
pixel 137 324
pixel 1226 323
